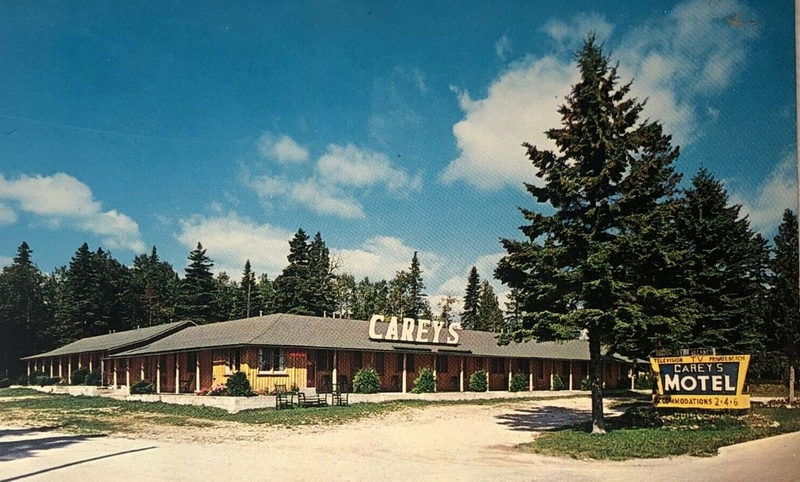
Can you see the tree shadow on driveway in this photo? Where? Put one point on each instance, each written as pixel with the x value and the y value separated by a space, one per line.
pixel 541 419
pixel 28 447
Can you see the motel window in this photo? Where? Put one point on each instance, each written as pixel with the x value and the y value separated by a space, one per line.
pixel 379 360
pixel 441 364
pixel 398 366
pixel 410 362
pixel 565 368
pixel 324 360
pixel 540 370
pixel 358 360
pixel 497 365
pixel 232 362
pixel 271 360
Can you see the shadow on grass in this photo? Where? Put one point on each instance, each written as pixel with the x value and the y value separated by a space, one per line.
pixel 540 419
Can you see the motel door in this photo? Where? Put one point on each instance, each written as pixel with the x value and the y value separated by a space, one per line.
pixel 311 369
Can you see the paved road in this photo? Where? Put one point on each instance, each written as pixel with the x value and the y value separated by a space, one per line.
pixel 458 447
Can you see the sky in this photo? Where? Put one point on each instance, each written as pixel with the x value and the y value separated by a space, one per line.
pixel 390 127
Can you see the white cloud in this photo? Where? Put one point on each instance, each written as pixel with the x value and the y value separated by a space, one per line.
pixel 61 199
pixel 326 199
pixel 338 176
pixel 571 34
pixel 521 104
pixel 381 257
pixel 777 193
pixel 230 240
pixel 350 166
pixel 7 215
pixel 282 148
pixel 678 62
pixel 5 261
pixel 502 47
pixel 456 285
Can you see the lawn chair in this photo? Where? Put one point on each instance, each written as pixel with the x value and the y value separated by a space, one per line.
pixel 283 397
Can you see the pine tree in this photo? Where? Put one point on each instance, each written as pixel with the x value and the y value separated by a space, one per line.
pixel 345 295
pixel 155 287
pixel 446 310
pixel 115 302
pixel 785 297
pixel 320 285
pixel 725 272
pixel 490 316
pixel 247 298
pixel 226 293
pixel 571 273
pixel 80 314
pixel 198 289
pixel 292 285
pixel 469 317
pixel 266 295
pixel 24 314
pixel 417 303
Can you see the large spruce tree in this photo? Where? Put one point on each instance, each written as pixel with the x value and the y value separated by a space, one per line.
pixel 80 315
pixel 571 274
pixel 247 298
pixel 725 271
pixel 155 289
pixel 197 302
pixel 469 315
pixel 24 314
pixel 784 329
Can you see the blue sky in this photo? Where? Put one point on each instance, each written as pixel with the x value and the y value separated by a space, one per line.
pixel 388 126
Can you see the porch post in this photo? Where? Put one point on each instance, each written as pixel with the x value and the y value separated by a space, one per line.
pixel 570 376
pixel 51 367
pixel 29 368
pixel 141 369
pixel 632 376
pixel 461 375
pixel 510 373
pixel 90 362
pixel 530 374
pixel 128 372
pixel 102 373
pixel 69 369
pixel 552 366
pixel 61 367
pixel 177 375
pixel 114 369
pixel 335 371
pixel 488 369
pixel 435 378
pixel 405 368
pixel 158 374
pixel 79 361
pixel 197 372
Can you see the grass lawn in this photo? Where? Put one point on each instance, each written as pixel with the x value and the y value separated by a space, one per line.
pixel 106 415
pixel 640 434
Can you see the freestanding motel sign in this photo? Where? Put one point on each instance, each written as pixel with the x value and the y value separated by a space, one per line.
pixel 711 382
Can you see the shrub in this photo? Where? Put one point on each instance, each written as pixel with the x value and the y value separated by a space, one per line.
pixel 34 376
pixel 43 380
pixel 95 377
pixel 519 383
pixel 5 383
pixel 477 382
pixel 586 384
pixel 558 383
pixel 366 380
pixel 644 382
pixel 425 382
pixel 22 380
pixel 239 386
pixel 142 387
pixel 79 376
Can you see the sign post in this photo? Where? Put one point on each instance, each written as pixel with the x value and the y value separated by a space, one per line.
pixel 710 382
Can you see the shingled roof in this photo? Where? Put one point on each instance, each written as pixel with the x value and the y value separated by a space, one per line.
pixel 342 334
pixel 116 341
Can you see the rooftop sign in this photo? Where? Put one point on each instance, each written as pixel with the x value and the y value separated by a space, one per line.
pixel 708 382
pixel 413 331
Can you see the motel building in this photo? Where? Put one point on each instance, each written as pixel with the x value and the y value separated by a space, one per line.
pixel 308 352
